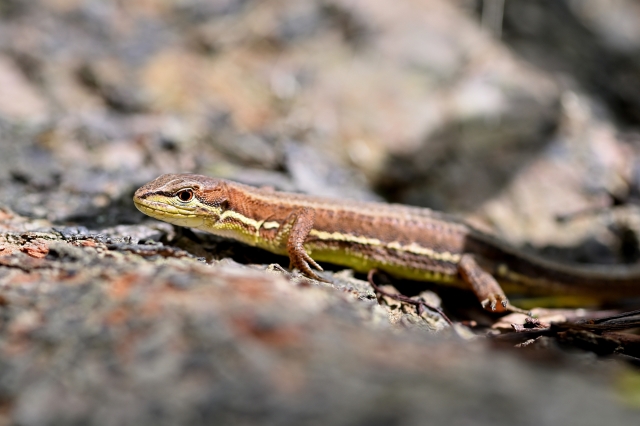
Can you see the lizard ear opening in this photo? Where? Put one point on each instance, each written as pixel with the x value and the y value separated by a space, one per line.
pixel 216 194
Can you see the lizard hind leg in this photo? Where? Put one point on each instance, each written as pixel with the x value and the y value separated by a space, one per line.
pixel 486 288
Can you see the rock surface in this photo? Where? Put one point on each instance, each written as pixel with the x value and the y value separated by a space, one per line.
pixel 110 318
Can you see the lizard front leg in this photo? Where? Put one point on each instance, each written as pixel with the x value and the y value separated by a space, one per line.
pixel 298 225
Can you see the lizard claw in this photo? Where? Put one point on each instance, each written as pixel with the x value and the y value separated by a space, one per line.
pixel 302 262
pixel 496 303
pixel 312 262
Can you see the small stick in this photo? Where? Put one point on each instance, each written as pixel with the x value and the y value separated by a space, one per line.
pixel 419 304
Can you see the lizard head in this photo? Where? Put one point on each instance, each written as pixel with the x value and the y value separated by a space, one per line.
pixel 183 199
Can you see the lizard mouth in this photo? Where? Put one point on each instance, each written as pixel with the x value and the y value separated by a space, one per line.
pixel 169 213
pixel 162 209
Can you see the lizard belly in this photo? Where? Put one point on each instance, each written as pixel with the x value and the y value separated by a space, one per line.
pixel 365 258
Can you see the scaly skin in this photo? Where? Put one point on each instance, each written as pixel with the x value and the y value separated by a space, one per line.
pixel 407 242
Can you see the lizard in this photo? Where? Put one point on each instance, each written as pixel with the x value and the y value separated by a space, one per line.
pixel 406 242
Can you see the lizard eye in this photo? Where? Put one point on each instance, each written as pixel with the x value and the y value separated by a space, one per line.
pixel 185 195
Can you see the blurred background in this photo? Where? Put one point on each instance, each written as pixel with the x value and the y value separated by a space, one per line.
pixel 521 115
pixel 512 111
